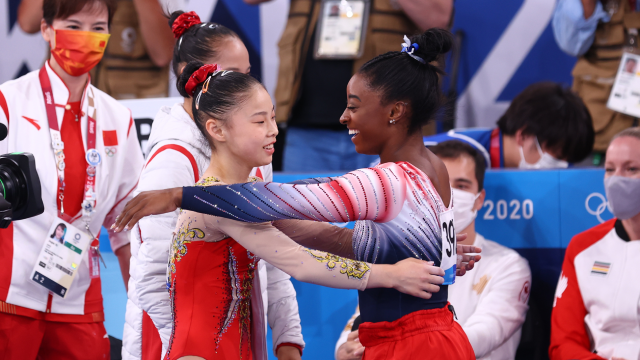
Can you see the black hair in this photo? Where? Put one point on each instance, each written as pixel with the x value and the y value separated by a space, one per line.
pixel 199 43
pixel 556 116
pixel 62 9
pixel 64 228
pixel 226 91
pixel 453 149
pixel 397 76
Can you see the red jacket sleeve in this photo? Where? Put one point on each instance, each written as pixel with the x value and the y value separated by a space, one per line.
pixel 569 338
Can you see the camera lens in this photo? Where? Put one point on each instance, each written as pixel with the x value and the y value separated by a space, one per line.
pixel 14 185
pixel 20 188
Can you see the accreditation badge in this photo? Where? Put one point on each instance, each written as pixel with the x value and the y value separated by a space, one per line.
pixel 449 245
pixel 60 257
pixel 625 93
pixel 341 29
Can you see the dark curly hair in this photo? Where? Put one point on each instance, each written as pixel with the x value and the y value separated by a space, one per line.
pixel 397 76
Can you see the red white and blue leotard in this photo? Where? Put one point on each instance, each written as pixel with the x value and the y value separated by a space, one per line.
pixel 395 206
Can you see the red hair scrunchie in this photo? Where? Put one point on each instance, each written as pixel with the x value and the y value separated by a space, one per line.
pixel 198 77
pixel 184 22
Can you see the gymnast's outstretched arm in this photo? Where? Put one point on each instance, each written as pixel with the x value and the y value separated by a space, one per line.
pixel 376 194
pixel 411 276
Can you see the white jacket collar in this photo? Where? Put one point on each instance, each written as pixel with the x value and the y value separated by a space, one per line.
pixel 173 123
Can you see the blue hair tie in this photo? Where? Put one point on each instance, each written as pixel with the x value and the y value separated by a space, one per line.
pixel 409 48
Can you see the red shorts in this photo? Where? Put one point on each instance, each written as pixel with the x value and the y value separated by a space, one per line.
pixel 24 338
pixel 431 334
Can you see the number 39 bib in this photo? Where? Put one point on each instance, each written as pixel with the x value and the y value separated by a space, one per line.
pixel 449 256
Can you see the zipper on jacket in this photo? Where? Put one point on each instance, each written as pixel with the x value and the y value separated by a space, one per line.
pixel 49 300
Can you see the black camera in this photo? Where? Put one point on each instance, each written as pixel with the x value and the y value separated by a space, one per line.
pixel 20 186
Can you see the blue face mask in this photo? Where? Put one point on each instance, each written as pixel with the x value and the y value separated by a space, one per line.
pixel 623 194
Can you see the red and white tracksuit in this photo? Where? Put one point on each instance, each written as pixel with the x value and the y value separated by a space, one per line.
pixel 596 310
pixel 22 110
pixel 178 156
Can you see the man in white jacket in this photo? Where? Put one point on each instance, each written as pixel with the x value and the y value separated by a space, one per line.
pixel 178 155
pixel 490 301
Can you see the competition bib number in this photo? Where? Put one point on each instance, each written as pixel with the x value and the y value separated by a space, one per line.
pixel 60 257
pixel 449 255
pixel 341 29
pixel 625 93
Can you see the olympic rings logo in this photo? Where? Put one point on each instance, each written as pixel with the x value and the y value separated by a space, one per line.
pixel 110 151
pixel 604 205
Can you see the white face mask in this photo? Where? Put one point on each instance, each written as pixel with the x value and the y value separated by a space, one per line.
pixel 546 161
pixel 463 213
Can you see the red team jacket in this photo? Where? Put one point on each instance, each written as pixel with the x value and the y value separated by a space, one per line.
pixel 596 310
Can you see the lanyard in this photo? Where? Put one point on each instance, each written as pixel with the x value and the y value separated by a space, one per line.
pixel 93 157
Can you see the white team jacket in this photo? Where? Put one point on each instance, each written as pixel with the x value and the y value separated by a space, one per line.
pixel 116 177
pixel 490 301
pixel 177 149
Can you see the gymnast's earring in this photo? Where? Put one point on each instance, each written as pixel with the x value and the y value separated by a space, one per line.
pixel 392 121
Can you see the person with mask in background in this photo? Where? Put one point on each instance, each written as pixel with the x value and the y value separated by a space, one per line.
pixel 178 156
pixel 596 310
pixel 490 300
pixel 598 33
pixel 136 61
pixel 88 159
pixel 532 133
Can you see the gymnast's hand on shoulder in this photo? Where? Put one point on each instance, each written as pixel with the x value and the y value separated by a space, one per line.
pixel 147 203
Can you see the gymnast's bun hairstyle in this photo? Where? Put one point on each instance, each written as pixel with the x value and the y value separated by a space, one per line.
pixel 409 75
pixel 216 93
pixel 196 41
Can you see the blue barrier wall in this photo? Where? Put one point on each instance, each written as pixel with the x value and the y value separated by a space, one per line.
pixel 534 212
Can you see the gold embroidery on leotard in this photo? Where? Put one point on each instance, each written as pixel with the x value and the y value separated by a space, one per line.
pixel 179 245
pixel 208 181
pixel 352 268
pixel 212 180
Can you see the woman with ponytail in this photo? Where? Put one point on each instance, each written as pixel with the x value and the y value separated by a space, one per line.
pixel 178 155
pixel 402 207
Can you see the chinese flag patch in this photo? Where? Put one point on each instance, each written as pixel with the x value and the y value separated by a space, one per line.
pixel 102 44
pixel 110 137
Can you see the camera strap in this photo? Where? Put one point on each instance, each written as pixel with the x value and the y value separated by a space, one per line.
pixel 92 156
